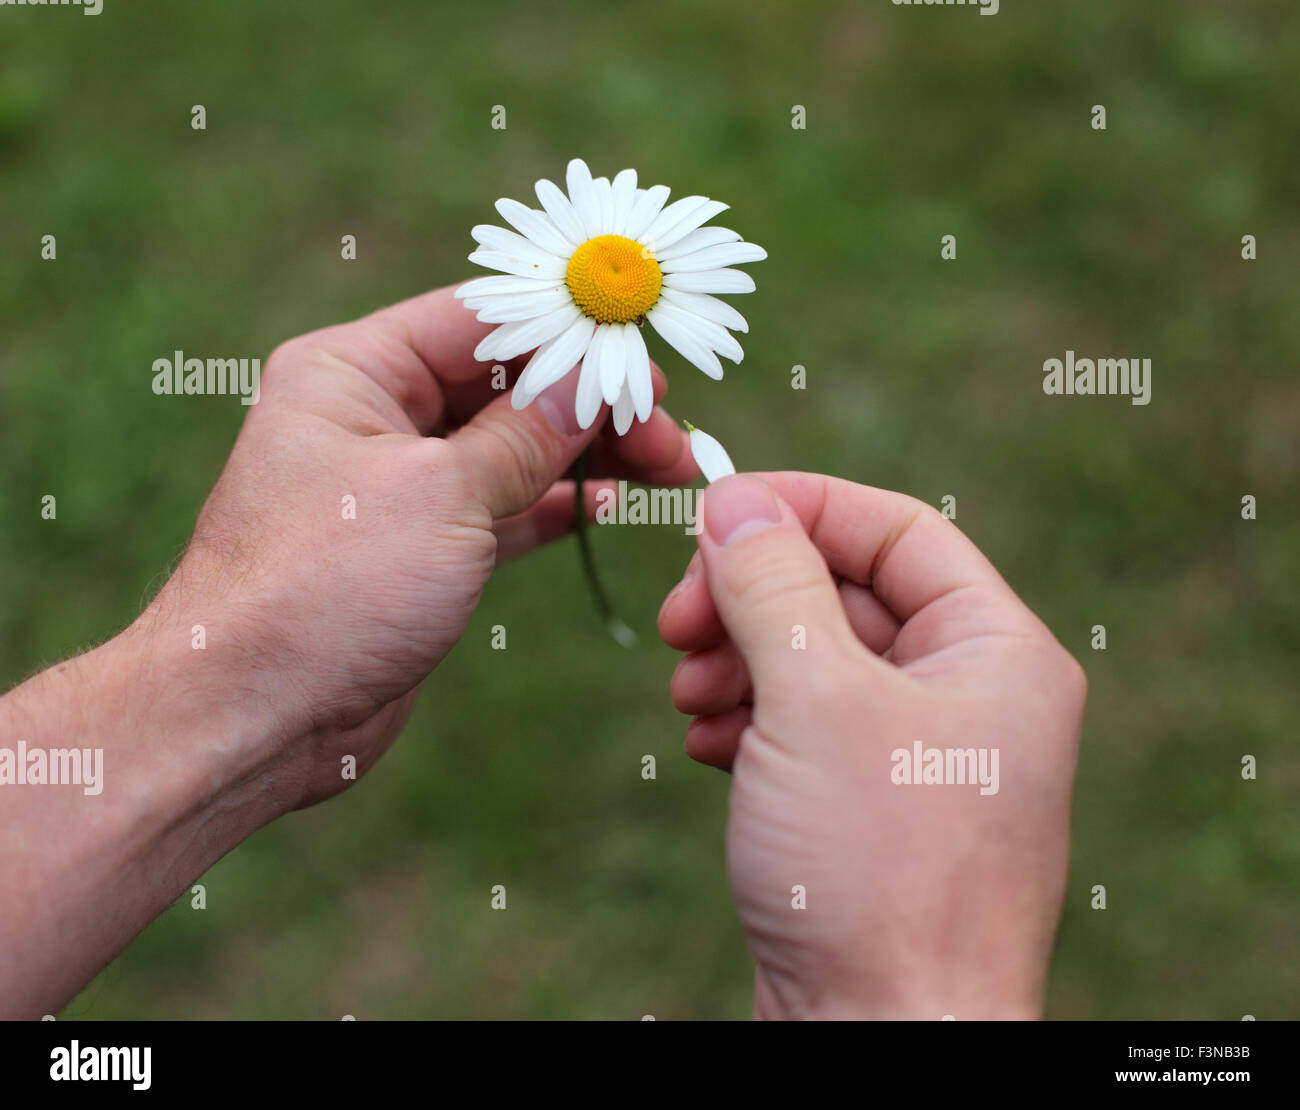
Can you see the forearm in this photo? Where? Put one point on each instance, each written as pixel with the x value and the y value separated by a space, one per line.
pixel 166 790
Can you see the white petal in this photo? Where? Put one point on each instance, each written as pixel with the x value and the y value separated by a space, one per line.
pixel 537 226
pixel 669 218
pixel 514 339
pixel 692 220
pixel 486 351
pixel 701 304
pixel 519 306
pixel 624 411
pixel 639 382
pixel 613 364
pixel 645 209
pixel 697 240
pixel 716 337
pixel 582 195
pixel 503 283
pixel 710 456
pixel 552 361
pixel 587 402
pixel 560 210
pixel 714 258
pixel 534 266
pixel 624 195
pixel 498 300
pixel 711 281
pixel 604 193
pixel 495 238
pixel 683 338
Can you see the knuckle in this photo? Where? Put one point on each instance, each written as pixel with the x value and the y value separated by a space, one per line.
pixel 302 351
pixel 287 353
pixel 1075 678
pixel 280 370
pixel 924 514
pixel 1066 675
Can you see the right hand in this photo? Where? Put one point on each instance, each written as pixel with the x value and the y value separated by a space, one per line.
pixel 921 900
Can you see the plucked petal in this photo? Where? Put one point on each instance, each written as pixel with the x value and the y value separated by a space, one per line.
pixel 710 456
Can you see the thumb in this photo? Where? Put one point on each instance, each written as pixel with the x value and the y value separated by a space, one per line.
pixel 512 457
pixel 771 586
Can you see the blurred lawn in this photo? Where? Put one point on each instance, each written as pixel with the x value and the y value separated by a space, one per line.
pixel 328 118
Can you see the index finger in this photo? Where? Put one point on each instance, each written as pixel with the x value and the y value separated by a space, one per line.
pixel 415 351
pixel 905 552
pixel 420 352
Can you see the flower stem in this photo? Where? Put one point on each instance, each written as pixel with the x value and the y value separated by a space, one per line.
pixel 620 632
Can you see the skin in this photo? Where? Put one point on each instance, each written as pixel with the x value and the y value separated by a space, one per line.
pixel 921 901
pixel 319 630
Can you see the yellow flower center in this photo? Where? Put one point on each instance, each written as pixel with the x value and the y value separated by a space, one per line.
pixel 613 279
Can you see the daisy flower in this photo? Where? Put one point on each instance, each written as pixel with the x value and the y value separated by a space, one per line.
pixel 584 273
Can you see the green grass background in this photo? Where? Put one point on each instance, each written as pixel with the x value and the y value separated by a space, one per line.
pixel 329 117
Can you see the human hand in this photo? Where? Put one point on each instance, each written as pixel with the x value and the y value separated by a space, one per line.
pixel 921 900
pixel 317 624
pixel 326 616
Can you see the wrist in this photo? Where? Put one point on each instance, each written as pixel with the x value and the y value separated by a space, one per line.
pixel 977 998
pixel 203 722
pixel 160 792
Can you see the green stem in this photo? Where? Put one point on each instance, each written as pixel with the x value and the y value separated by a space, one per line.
pixel 621 633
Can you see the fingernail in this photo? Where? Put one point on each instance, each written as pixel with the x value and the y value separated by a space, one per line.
pixel 738 506
pixel 558 405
